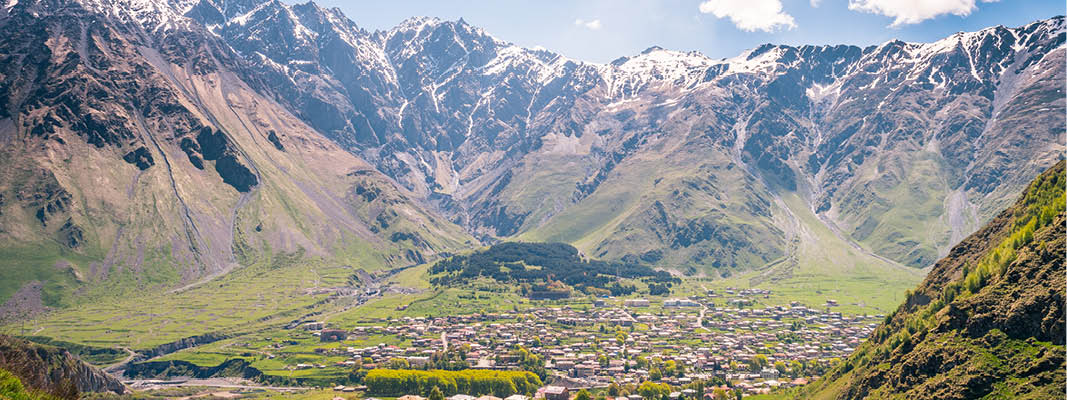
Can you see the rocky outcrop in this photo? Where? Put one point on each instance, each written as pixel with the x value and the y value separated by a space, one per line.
pixel 53 370
pixel 180 344
pixel 140 157
pixel 215 146
pixel 235 367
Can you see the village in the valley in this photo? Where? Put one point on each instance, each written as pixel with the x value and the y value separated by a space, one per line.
pixel 721 342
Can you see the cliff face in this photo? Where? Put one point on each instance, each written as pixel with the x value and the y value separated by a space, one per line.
pixel 53 370
pixel 988 321
pixel 136 159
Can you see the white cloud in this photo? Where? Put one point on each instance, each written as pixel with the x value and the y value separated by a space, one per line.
pixel 750 15
pixel 906 12
pixel 594 24
pixel 815 3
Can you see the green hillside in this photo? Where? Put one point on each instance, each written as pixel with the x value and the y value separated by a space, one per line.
pixel 988 321
pixel 11 388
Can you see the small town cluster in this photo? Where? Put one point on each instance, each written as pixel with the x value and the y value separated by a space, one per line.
pixel 718 339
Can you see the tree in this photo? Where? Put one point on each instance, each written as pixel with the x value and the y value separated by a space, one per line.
pixel 653 391
pixel 699 387
pixel 670 368
pixel 436 394
pixel 718 394
pixel 641 362
pixel 758 362
pixel 398 363
pixel 655 374
pixel 392 382
pixel 583 395
pixel 613 390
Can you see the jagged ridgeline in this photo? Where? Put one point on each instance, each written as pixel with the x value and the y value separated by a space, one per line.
pixel 988 321
pixel 549 270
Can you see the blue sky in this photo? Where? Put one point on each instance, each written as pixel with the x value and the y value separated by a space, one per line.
pixel 602 30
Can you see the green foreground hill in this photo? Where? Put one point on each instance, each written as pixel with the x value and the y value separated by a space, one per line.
pixel 986 323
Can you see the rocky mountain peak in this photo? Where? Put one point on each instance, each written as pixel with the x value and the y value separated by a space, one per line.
pixel 436 95
pixel 439 44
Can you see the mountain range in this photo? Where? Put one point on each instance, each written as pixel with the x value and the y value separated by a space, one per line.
pixel 155 144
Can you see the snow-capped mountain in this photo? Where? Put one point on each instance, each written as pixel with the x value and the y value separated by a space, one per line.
pixel 451 111
pixel 664 157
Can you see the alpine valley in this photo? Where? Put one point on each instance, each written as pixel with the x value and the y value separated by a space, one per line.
pixel 186 184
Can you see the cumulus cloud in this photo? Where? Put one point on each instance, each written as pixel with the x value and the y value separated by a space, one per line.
pixel 750 15
pixel 593 24
pixel 905 12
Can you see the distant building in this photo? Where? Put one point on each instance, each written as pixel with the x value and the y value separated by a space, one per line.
pixel 332 335
pixel 484 363
pixel 585 369
pixel 680 303
pixel 636 303
pixel 418 361
pixel 556 393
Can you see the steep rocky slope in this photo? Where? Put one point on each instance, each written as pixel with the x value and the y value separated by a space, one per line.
pixel 53 370
pixel 512 141
pixel 136 159
pixel 988 321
